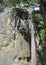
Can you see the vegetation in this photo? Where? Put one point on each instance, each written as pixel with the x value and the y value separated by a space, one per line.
pixel 43 34
pixel 11 2
pixel 38 17
pixel 14 2
pixel 40 26
pixel 32 1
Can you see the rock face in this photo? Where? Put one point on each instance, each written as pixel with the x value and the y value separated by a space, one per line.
pixel 5 29
pixel 14 40
pixel 7 46
pixel 23 48
pixel 22 36
pixel 21 13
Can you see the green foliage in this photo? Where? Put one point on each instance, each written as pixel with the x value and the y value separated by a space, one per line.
pixel 42 34
pixel 38 17
pixel 14 2
pixel 40 26
pixel 39 21
pixel 11 2
pixel 32 1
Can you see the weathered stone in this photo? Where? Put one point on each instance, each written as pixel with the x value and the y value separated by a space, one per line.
pixel 7 45
pixel 12 42
pixel 23 47
pixel 4 35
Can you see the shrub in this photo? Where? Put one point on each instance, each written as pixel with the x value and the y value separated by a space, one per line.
pixel 42 34
pixel 38 17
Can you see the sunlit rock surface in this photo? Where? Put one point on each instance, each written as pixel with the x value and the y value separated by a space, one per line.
pixel 7 46
pixel 11 49
pixel 23 47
